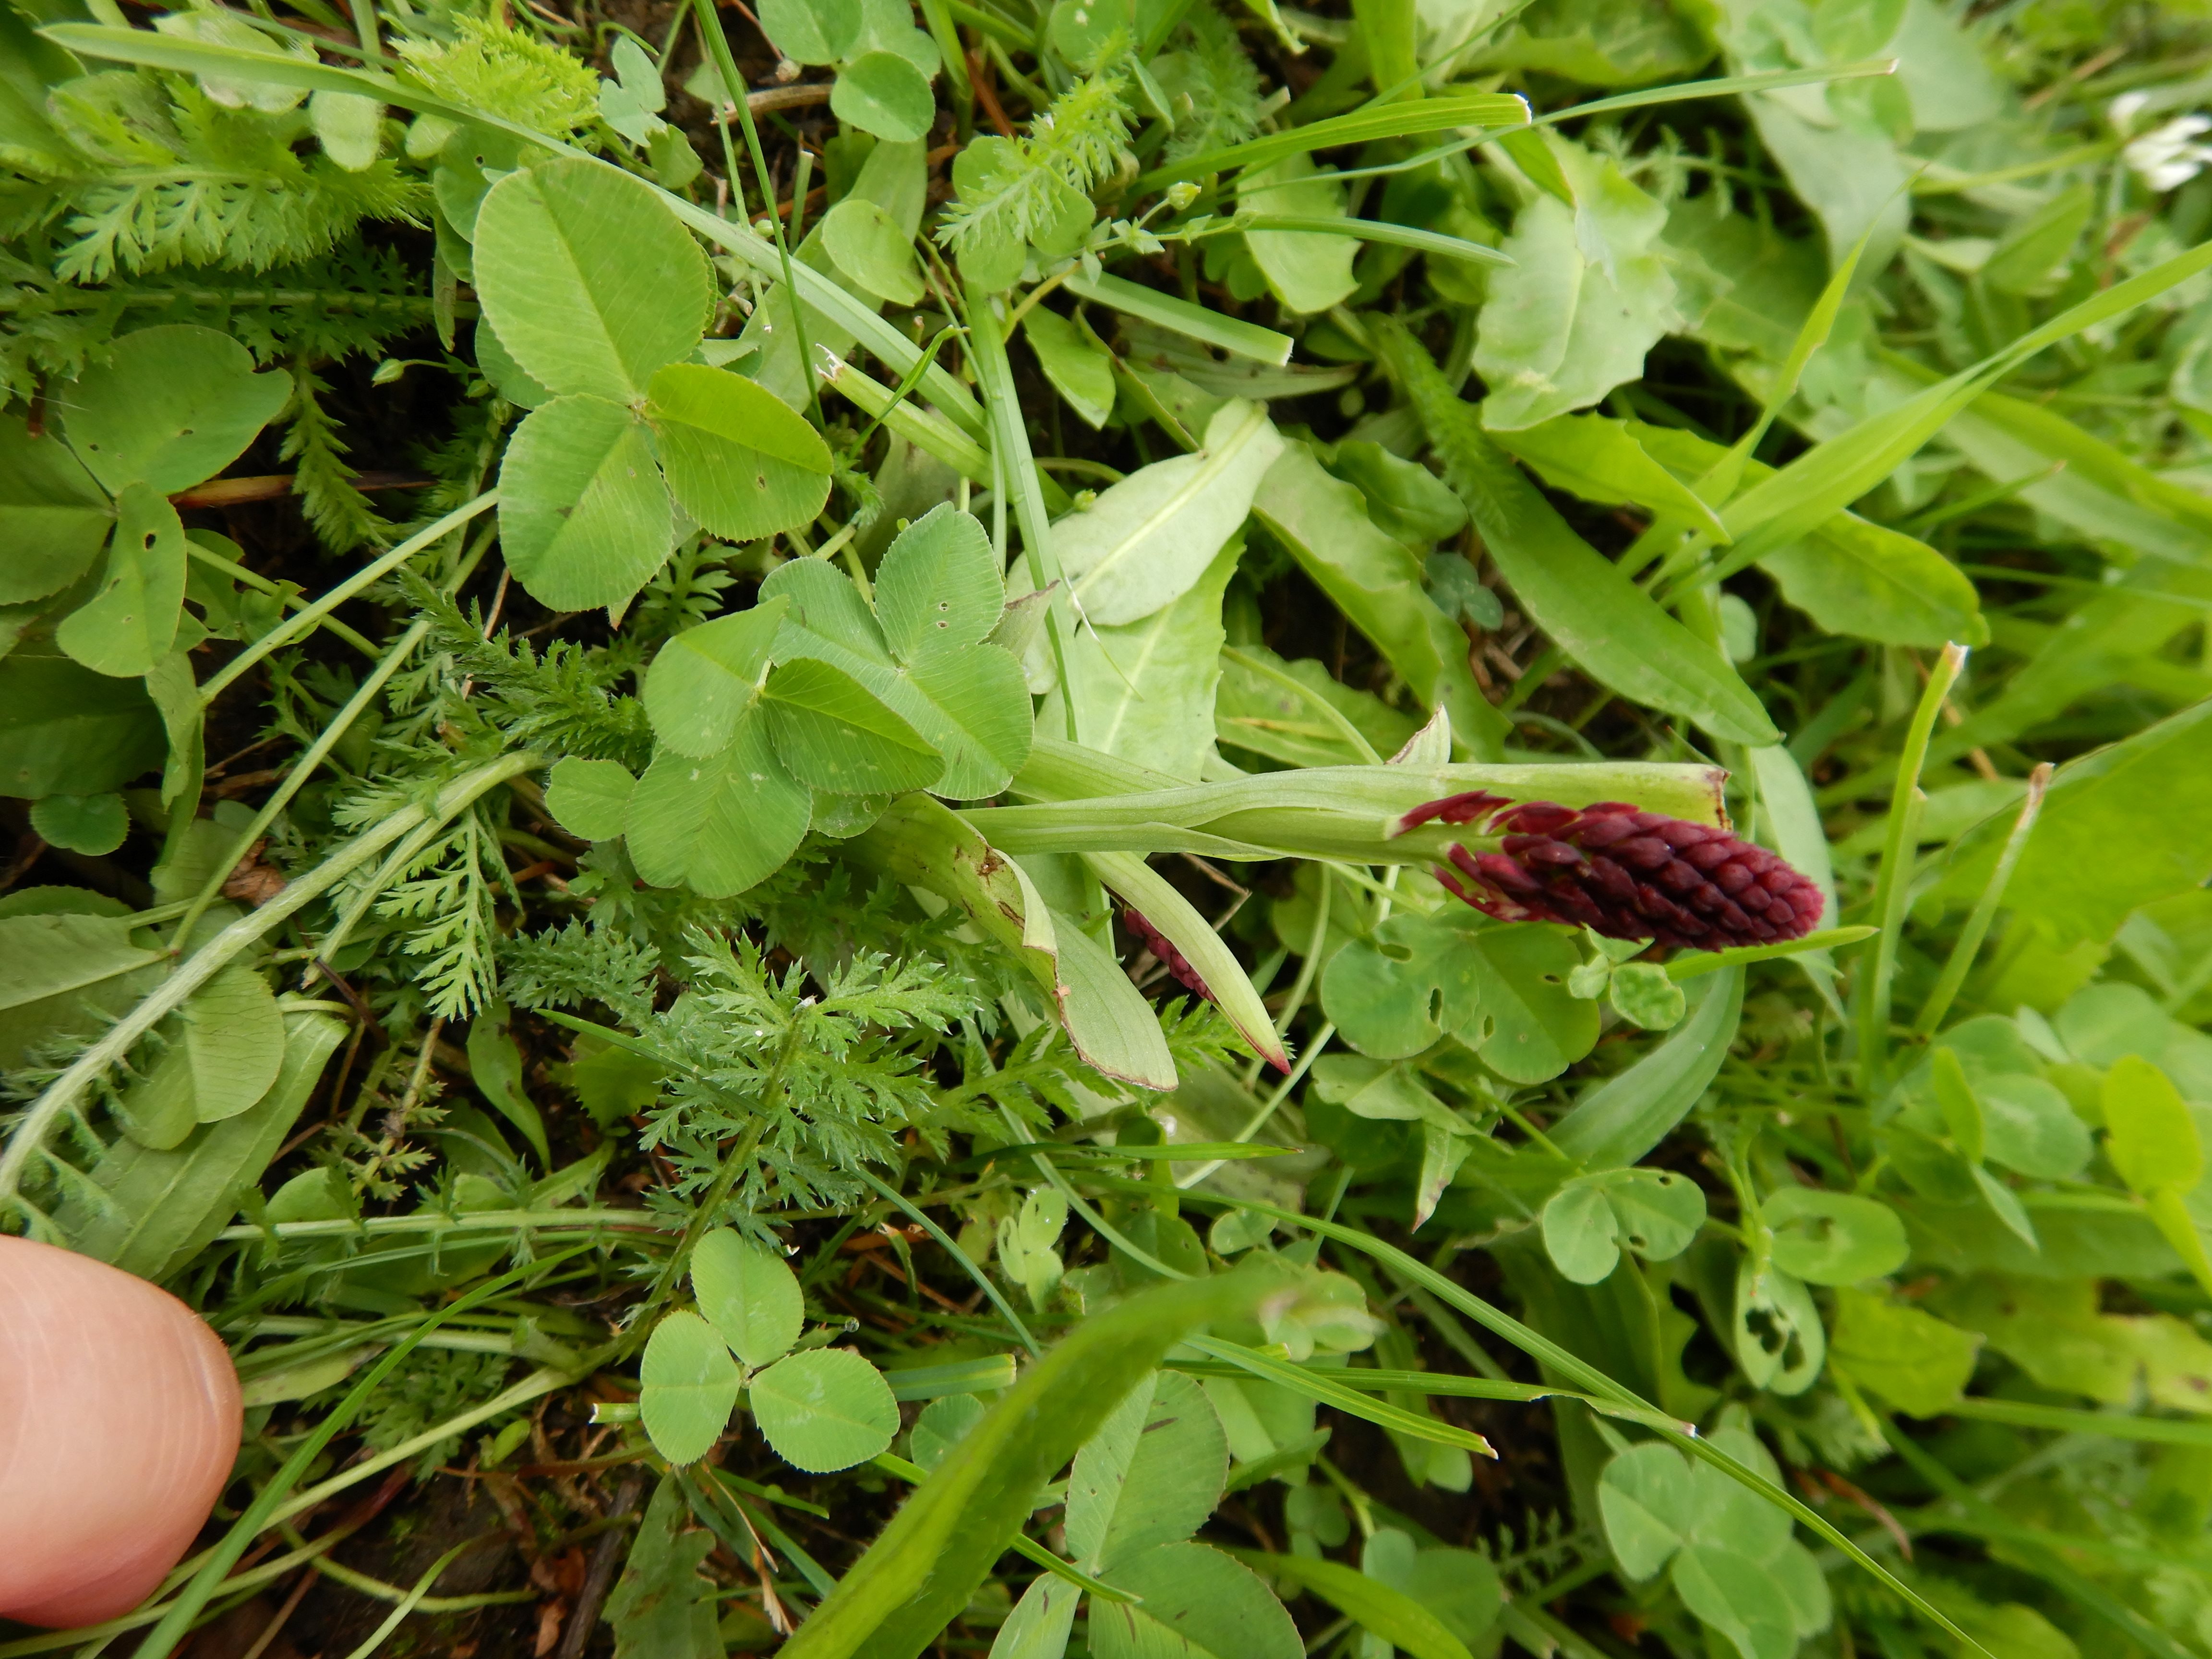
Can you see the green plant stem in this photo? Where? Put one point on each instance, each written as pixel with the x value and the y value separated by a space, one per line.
pixel 1969 944
pixel 1010 450
pixel 718 46
pixel 260 584
pixel 300 622
pixel 302 769
pixel 1338 720
pixel 1892 886
pixel 62 1095
pixel 1021 1543
pixel 914 1212
pixel 264 1510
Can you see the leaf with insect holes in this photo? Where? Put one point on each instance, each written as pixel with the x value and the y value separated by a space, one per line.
pixel 1587 1222
pixel 1501 991
pixel 741 461
pixel 689 1386
pixel 748 1295
pixel 825 1410
pixel 171 406
pixel 127 626
pixel 1833 1238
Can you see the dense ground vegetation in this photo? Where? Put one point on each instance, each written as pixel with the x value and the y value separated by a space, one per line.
pixel 723 730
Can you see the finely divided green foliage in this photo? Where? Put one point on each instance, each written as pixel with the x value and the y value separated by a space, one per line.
pixel 653 910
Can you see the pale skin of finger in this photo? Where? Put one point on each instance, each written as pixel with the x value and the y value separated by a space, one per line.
pixel 119 1421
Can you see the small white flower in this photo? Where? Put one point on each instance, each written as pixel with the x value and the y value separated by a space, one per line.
pixel 2122 110
pixel 2165 156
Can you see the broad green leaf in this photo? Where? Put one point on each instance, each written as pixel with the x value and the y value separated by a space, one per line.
pixel 835 735
pixel 688 1388
pixel 159 1209
pixel 1647 1498
pixel 1149 1476
pixel 1833 1238
pixel 350 129
pixel 590 798
pixel 587 279
pixel 924 653
pixel 811 31
pixel 662 1608
pixel 2150 1134
pixel 1198 1604
pixel 1849 576
pixel 1145 690
pixel 924 844
pixel 66 729
pixel 719 825
pixel 824 1409
pixel 706 680
pixel 924 1565
pixel 222 1050
pixel 506 375
pixel 1147 540
pixel 1257 712
pixel 885 94
pixel 944 1422
pixel 1600 459
pixel 1644 994
pixel 1405 499
pixel 1460 1587
pixel 1041 1623
pixel 1910 1357
pixel 170 406
pixel 1586 296
pixel 1308 271
pixel 2031 1127
pixel 1587 1224
pixel 584 517
pixel 1738 1597
pixel 1620 1120
pixel 1578 1234
pixel 866 244
pixel 1397 1619
pixel 92 825
pixel 1501 991
pixel 749 1295
pixel 1600 619
pixel 1375 581
pixel 740 461
pixel 2149 794
pixel 54 517
pixel 1079 371
pixel 129 624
